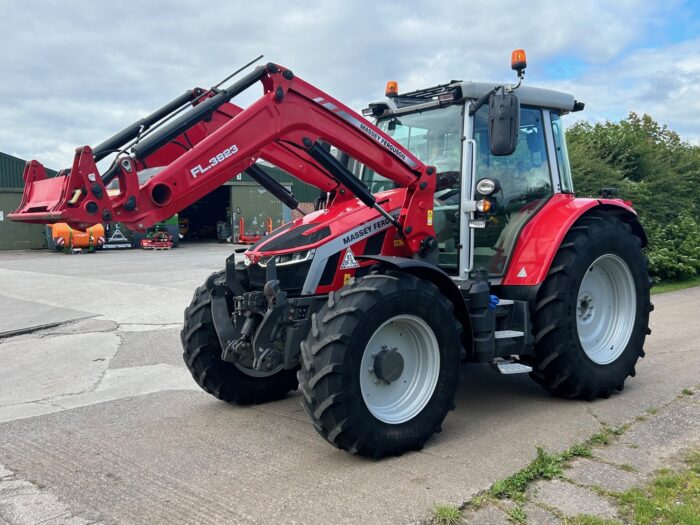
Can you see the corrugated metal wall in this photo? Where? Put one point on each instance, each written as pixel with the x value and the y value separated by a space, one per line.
pixel 17 235
pixel 11 169
pixel 302 192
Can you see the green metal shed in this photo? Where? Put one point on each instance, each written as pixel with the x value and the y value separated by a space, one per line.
pixel 16 235
pixel 302 192
pixel 11 169
pixel 256 206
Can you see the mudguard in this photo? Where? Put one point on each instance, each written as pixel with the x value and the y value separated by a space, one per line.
pixel 431 273
pixel 541 236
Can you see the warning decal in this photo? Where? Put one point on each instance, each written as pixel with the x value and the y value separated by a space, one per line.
pixel 349 260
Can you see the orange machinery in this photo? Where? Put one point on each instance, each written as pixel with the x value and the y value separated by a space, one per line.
pixel 66 237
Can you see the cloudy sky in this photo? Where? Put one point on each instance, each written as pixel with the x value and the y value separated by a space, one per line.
pixel 74 72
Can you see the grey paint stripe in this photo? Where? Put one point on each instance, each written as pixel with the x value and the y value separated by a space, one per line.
pixel 323 253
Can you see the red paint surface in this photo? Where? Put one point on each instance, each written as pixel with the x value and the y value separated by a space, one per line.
pixel 540 239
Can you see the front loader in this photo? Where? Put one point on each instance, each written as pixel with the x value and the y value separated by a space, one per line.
pixel 447 232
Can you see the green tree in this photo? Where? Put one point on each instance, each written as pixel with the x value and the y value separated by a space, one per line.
pixel 655 169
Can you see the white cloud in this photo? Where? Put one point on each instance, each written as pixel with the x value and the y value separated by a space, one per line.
pixel 76 72
pixel 664 83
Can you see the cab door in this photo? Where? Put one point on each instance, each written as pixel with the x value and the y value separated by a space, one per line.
pixel 525 179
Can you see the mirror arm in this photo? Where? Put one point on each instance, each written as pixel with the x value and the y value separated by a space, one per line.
pixel 482 100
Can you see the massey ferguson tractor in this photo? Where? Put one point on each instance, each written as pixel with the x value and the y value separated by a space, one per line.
pixel 447 231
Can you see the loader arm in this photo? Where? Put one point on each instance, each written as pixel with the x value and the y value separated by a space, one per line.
pixel 215 140
pixel 279 154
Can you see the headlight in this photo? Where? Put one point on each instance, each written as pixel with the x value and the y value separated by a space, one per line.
pixel 288 258
pixel 486 186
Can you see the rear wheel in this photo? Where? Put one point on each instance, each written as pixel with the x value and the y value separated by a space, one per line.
pixel 592 311
pixel 202 355
pixel 381 365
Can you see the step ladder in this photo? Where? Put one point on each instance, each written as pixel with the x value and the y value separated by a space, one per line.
pixel 510 366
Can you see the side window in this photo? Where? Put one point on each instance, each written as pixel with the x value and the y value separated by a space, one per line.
pixel 567 184
pixel 525 181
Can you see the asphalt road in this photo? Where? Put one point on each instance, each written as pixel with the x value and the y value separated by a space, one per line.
pixel 100 420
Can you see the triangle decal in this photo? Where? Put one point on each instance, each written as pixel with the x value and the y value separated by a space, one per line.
pixel 349 260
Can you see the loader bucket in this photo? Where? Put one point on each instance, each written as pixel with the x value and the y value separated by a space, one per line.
pixel 76 196
pixel 42 197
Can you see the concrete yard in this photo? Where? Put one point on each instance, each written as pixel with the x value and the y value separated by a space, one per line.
pixel 101 421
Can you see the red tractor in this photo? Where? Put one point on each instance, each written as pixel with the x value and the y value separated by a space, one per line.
pixel 447 232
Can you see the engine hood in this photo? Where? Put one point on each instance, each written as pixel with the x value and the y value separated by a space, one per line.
pixel 344 222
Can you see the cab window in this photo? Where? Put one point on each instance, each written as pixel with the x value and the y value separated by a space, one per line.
pixel 525 182
pixel 435 137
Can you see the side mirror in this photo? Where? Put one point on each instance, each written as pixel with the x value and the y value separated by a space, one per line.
pixel 504 122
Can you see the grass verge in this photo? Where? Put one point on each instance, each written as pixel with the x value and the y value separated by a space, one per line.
pixel 672 287
pixel 671 498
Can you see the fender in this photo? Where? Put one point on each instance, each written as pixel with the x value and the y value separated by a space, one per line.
pixel 539 240
pixel 435 275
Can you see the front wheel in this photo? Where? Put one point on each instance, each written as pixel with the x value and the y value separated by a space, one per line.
pixel 202 355
pixel 592 311
pixel 380 367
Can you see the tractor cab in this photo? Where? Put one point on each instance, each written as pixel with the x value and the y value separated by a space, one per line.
pixel 499 153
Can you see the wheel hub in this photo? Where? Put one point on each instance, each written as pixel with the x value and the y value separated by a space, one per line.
pixel 585 307
pixel 388 365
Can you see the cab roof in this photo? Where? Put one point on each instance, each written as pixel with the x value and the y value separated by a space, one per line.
pixel 528 95
pixel 461 90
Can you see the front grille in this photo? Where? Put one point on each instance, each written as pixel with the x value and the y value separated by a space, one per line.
pixel 290 276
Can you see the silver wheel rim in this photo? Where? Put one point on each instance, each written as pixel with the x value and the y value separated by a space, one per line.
pixel 404 398
pixel 606 309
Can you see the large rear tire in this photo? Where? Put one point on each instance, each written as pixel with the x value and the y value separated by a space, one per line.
pixel 202 355
pixel 592 311
pixel 381 365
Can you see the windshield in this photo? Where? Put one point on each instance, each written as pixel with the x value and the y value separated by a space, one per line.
pixel 434 136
